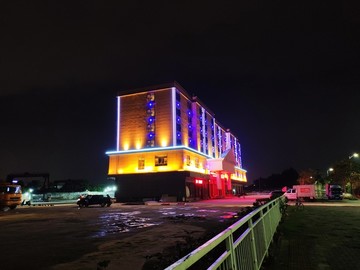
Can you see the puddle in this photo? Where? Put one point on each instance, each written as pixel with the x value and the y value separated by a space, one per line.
pixel 112 223
pixel 229 215
pixel 207 210
pixel 123 222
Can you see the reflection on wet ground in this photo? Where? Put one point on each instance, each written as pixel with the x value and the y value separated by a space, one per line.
pixel 121 222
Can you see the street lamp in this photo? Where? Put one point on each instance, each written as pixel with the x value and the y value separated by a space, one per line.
pixel 329 170
pixel 355 155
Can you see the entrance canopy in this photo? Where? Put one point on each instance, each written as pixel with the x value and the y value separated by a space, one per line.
pixel 226 163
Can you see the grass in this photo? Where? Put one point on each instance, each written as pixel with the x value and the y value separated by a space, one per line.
pixel 319 237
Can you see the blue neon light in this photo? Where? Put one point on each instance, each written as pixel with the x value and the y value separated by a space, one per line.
pixel 151 119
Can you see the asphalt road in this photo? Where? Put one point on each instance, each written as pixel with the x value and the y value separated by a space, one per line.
pixel 66 237
pixel 121 236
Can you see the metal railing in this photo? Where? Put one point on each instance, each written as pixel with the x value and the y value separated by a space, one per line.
pixel 244 245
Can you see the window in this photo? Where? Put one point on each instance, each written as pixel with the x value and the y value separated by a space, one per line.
pixel 141 164
pixel 188 161
pixel 197 163
pixel 160 160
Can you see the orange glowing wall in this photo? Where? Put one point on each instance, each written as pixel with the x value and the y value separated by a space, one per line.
pixel 133 124
pixel 176 161
pixel 163 119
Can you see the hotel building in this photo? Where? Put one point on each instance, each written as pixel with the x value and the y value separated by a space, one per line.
pixel 169 144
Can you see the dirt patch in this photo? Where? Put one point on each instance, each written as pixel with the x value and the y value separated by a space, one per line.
pixel 155 248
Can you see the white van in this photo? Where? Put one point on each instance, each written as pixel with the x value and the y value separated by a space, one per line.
pixel 290 194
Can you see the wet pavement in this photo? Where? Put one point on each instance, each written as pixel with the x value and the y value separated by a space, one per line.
pixel 65 235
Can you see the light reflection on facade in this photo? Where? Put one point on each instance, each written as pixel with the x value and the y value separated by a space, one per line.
pixel 166 142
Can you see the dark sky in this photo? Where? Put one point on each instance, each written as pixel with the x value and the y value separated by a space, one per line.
pixel 282 75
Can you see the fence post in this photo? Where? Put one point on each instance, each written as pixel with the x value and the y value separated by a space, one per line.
pixel 230 248
pixel 253 244
pixel 264 228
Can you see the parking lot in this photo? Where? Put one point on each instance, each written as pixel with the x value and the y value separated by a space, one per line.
pixel 120 236
pixel 124 236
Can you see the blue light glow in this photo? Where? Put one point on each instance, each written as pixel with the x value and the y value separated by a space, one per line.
pixel 151 119
pixel 177 147
pixel 173 99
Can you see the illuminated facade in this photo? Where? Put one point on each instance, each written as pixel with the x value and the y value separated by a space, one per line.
pixel 170 143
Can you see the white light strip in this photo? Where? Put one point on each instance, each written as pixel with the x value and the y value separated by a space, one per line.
pixel 215 146
pixel 177 147
pixel 173 97
pixel 118 125
pixel 240 169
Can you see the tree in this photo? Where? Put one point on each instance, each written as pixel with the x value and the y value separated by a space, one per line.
pixel 289 177
pixel 355 183
pixel 276 181
pixel 346 173
pixel 309 176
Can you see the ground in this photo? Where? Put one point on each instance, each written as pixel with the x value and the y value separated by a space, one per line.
pixel 116 237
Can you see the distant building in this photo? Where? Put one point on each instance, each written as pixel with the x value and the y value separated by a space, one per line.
pixel 169 145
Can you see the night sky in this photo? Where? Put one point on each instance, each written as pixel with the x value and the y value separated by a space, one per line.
pixel 283 76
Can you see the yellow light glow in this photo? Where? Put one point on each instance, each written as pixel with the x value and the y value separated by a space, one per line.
pixel 149 168
pixel 138 145
pixel 119 171
pixel 126 146
pixel 224 176
pixel 164 143
pixel 192 168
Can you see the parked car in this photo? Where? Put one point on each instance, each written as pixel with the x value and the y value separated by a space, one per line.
pixel 93 200
pixel 275 193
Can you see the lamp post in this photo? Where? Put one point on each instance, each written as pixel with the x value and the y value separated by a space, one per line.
pixel 354 155
pixel 328 171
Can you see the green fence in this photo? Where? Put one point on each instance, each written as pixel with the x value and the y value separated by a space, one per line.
pixel 244 245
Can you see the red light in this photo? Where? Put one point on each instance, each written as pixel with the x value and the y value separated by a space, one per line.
pixel 198 181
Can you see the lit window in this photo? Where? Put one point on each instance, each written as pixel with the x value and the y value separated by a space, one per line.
pixel 160 160
pixel 197 163
pixel 188 161
pixel 141 164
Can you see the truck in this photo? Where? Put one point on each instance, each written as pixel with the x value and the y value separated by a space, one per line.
pixel 309 191
pixel 315 192
pixel 306 192
pixel 333 192
pixel 10 195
